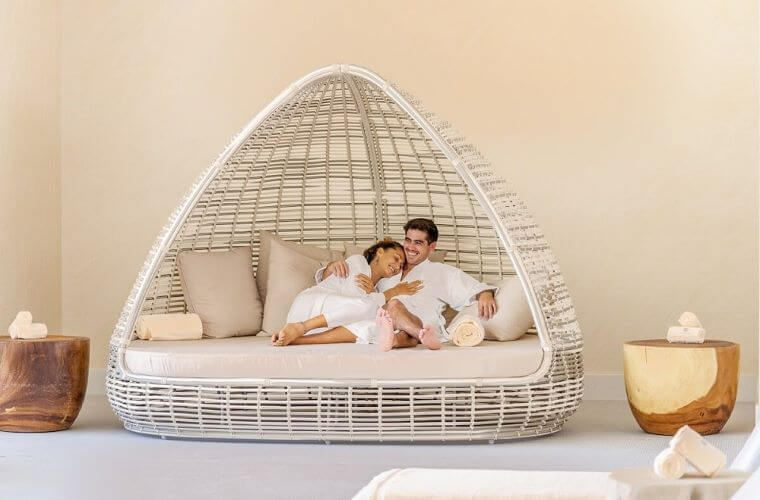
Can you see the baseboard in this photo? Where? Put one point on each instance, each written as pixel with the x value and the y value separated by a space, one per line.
pixel 611 387
pixel 597 386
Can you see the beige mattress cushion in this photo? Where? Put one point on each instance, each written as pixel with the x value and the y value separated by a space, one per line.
pixel 255 357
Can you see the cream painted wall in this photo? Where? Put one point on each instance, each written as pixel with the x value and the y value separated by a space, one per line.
pixel 629 128
pixel 30 189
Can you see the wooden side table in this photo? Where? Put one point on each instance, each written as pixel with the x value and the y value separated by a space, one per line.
pixel 671 385
pixel 42 382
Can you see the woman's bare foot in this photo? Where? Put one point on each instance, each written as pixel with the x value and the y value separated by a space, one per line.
pixel 429 338
pixel 385 336
pixel 288 334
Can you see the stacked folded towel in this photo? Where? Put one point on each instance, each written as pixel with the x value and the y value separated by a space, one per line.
pixel 169 327
pixel 23 328
pixel 466 331
pixel 688 446
pixel 690 330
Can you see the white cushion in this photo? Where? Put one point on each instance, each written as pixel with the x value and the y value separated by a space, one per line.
pixel 220 288
pixel 456 484
pixel 513 317
pixel 255 357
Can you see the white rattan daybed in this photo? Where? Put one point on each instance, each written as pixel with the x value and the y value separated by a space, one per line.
pixel 343 156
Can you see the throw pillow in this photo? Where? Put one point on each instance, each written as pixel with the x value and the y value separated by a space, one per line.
pixel 290 272
pixel 262 272
pixel 220 288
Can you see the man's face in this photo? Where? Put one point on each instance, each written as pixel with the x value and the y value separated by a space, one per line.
pixel 416 247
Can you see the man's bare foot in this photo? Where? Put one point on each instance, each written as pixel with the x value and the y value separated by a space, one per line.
pixel 429 338
pixel 385 335
pixel 288 334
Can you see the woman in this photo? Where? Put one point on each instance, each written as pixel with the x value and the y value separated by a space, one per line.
pixel 337 309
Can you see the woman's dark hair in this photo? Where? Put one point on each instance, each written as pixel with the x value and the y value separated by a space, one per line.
pixel 426 225
pixel 370 253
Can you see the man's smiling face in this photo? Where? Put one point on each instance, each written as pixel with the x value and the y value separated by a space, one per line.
pixel 416 247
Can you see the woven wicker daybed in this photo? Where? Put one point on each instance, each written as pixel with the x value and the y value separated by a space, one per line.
pixel 343 156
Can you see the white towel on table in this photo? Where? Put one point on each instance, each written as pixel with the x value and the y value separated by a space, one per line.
pixel 685 335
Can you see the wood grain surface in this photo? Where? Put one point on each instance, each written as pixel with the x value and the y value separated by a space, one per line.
pixel 671 385
pixel 42 382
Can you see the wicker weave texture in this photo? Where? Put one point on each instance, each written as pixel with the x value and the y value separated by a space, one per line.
pixel 345 157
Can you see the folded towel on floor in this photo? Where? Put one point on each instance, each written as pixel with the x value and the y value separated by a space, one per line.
pixel 466 331
pixel 703 456
pixel 686 335
pixel 169 327
pixel 669 464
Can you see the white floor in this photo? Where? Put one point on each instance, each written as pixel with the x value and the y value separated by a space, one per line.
pixel 97 458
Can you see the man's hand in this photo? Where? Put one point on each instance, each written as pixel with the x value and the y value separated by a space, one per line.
pixel 365 283
pixel 486 304
pixel 336 267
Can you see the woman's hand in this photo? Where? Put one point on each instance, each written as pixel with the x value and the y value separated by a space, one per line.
pixel 365 283
pixel 403 288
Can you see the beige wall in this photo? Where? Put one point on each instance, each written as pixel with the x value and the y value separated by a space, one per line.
pixel 30 189
pixel 630 129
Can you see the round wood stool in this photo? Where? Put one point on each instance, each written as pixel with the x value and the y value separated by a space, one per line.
pixel 42 382
pixel 672 385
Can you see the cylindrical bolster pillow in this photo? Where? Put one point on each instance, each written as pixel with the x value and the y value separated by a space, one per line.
pixel 513 317
pixel 466 331
pixel 169 327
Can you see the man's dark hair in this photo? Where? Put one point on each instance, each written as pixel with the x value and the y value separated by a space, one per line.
pixel 426 225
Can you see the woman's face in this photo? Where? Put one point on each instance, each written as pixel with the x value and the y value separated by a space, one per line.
pixel 391 261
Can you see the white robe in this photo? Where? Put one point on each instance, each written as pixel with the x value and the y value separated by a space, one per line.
pixel 341 301
pixel 442 284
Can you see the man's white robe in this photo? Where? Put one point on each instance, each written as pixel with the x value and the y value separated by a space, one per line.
pixel 442 284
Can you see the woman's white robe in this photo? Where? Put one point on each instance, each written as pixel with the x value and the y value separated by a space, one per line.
pixel 341 301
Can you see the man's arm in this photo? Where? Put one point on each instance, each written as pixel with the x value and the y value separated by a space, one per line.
pixel 463 289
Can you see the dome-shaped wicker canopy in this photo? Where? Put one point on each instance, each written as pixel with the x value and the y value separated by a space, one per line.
pixel 343 156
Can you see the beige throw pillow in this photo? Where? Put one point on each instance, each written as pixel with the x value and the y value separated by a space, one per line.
pixel 351 249
pixel 290 272
pixel 220 288
pixel 513 317
pixel 266 238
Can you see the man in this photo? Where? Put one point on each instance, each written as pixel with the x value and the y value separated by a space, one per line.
pixel 418 316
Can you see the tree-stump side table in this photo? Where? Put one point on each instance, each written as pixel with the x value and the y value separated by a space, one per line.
pixel 42 382
pixel 672 385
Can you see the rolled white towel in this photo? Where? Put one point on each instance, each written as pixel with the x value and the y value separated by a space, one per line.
pixel 23 328
pixel 669 464
pixel 689 319
pixel 466 331
pixel 175 326
pixel 33 331
pixel 686 335
pixel 23 318
pixel 706 458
